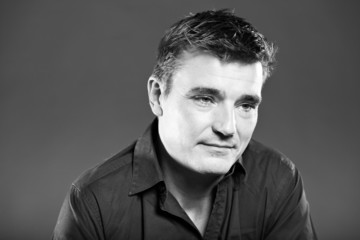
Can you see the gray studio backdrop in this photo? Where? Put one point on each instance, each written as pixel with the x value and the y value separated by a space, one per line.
pixel 73 92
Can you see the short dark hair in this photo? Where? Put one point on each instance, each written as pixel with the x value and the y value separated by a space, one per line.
pixel 219 33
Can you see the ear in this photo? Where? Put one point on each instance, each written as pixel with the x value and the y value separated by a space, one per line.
pixel 155 91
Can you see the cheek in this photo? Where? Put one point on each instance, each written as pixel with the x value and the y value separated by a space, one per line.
pixel 246 127
pixel 185 124
pixel 194 125
pixel 194 118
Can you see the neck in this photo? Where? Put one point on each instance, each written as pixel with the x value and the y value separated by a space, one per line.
pixel 190 188
pixel 185 183
pixel 194 191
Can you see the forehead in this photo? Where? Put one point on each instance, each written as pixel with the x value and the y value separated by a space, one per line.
pixel 204 70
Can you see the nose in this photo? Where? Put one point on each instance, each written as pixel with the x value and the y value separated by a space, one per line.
pixel 225 122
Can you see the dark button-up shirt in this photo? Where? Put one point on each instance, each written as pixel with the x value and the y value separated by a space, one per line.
pixel 125 197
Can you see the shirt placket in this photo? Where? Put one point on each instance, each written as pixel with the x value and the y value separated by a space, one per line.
pixel 217 213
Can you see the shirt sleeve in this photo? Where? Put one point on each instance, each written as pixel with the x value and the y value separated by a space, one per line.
pixel 79 217
pixel 291 215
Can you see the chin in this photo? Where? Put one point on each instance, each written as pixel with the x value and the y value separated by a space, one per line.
pixel 216 166
pixel 214 172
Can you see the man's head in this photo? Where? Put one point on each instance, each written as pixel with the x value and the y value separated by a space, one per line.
pixel 206 89
pixel 219 33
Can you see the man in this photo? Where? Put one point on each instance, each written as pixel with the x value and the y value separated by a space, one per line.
pixel 196 173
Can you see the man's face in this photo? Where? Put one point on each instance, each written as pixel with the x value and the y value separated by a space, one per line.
pixel 210 113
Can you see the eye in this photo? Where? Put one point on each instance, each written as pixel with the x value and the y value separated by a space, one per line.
pixel 247 107
pixel 203 100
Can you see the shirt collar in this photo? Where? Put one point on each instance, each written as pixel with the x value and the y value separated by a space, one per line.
pixel 238 173
pixel 146 169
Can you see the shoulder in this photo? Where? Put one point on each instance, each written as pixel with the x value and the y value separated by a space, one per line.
pixel 96 197
pixel 116 171
pixel 274 178
pixel 259 155
pixel 267 167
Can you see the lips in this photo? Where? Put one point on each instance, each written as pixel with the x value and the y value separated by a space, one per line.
pixel 219 145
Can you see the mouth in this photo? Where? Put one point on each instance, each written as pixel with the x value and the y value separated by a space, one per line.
pixel 218 145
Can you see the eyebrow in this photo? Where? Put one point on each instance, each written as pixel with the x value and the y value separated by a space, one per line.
pixel 205 91
pixel 254 99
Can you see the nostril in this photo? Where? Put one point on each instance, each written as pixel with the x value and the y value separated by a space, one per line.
pixel 223 131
